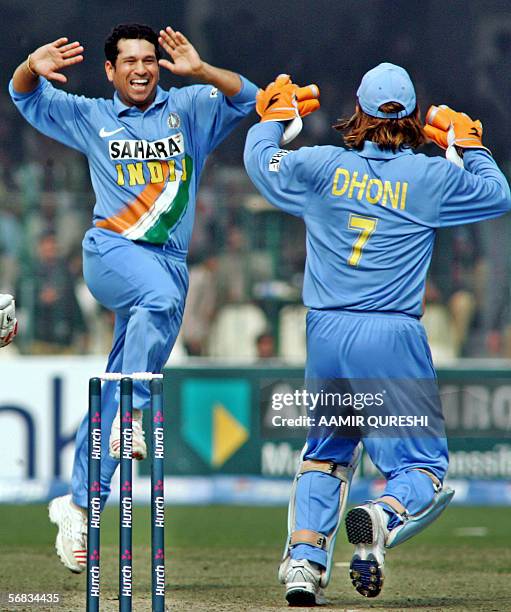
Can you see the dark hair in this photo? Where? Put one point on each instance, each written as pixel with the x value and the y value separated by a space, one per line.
pixel 129 31
pixel 388 133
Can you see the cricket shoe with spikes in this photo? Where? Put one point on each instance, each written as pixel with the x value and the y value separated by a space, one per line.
pixel 367 528
pixel 302 584
pixel 71 542
pixel 139 448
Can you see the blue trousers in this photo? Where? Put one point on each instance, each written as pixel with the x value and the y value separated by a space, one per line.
pixel 348 345
pixel 145 286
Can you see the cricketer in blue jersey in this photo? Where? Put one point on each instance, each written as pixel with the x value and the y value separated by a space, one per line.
pixel 371 210
pixel 146 148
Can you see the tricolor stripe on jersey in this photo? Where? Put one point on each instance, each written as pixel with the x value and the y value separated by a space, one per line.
pixel 155 210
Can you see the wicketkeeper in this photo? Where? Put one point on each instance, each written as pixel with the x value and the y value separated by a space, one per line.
pixel 371 210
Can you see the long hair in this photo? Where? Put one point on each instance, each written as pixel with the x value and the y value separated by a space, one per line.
pixel 387 133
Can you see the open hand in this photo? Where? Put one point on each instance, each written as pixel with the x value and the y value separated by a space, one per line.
pixel 50 59
pixel 185 59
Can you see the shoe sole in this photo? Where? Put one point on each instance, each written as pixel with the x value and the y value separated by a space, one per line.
pixel 366 574
pixel 299 597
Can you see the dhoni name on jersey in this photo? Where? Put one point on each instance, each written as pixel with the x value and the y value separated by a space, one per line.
pixel 372 190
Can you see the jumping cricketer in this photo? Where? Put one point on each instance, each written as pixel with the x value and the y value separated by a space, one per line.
pixel 146 148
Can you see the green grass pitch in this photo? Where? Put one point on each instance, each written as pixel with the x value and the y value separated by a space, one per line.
pixel 225 559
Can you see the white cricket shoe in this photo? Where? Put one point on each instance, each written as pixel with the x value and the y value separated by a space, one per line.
pixel 302 580
pixel 71 542
pixel 367 529
pixel 139 446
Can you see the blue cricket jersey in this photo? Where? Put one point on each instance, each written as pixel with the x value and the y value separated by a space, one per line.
pixel 144 166
pixel 371 215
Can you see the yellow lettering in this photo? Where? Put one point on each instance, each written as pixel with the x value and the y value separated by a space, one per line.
pixel 403 196
pixel 136 174
pixel 120 174
pixel 184 176
pixel 172 170
pixel 379 190
pixel 360 184
pixel 393 195
pixel 366 226
pixel 155 172
pixel 336 190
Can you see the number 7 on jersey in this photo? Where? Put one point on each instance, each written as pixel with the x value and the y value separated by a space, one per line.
pixel 366 226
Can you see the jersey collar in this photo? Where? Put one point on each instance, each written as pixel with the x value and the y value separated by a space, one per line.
pixel 372 151
pixel 121 109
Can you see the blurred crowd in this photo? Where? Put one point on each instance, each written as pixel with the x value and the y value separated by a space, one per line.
pixel 246 268
pixel 246 259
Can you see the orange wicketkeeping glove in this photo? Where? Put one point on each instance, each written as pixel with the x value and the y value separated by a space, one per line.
pixel 447 127
pixel 278 101
pixel 283 100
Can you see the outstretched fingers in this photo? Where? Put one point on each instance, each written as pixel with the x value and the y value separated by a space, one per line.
pixel 59 42
pixel 184 59
pixel 181 38
pixel 73 60
pixel 69 55
pixel 165 45
pixel 169 39
pixel 71 50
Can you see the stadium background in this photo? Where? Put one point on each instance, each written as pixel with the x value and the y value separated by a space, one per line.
pixel 244 327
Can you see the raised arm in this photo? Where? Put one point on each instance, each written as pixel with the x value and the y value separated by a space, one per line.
pixel 480 192
pixel 187 62
pixel 46 61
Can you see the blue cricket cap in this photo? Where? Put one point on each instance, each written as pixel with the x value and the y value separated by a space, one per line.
pixel 386 83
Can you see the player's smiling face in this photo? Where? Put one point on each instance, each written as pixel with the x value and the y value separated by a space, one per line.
pixel 136 72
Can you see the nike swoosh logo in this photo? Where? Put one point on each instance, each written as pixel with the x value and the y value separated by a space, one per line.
pixel 103 133
pixel 273 99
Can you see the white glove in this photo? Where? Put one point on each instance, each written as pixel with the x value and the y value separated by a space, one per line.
pixel 450 153
pixel 291 131
pixel 307 99
pixel 8 322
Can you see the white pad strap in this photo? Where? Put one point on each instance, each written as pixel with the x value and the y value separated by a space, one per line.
pixel 307 536
pixel 342 472
pixel 394 504
pixel 437 483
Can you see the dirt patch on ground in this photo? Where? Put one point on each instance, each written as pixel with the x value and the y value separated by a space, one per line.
pixel 229 564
